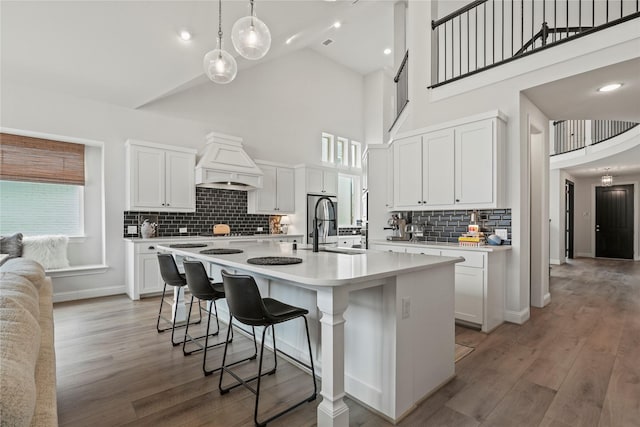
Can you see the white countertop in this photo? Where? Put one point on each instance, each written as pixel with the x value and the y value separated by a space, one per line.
pixel 319 268
pixel 211 238
pixel 438 245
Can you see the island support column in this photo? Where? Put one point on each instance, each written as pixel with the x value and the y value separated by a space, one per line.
pixel 332 411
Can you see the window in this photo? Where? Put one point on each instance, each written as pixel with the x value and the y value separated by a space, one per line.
pixel 348 200
pixel 41 186
pixel 327 147
pixel 34 208
pixel 340 151
pixel 356 154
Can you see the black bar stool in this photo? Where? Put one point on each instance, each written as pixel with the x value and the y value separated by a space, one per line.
pixel 205 289
pixel 172 277
pixel 248 307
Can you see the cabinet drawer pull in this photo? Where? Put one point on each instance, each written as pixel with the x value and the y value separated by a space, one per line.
pixel 151 247
pixel 457 200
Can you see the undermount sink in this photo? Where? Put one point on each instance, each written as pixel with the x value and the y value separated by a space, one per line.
pixel 345 251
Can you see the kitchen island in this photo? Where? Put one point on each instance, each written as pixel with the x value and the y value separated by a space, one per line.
pixel 386 320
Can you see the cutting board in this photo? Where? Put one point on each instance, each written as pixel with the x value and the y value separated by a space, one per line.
pixel 221 230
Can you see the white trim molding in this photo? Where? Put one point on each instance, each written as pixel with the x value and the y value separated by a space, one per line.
pixel 88 293
pixel 517 317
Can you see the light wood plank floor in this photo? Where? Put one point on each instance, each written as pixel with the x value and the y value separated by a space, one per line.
pixel 575 363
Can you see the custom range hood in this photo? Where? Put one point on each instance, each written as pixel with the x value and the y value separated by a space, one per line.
pixel 225 164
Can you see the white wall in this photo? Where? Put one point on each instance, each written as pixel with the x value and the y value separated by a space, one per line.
pixel 378 106
pixel 280 108
pixel 557 207
pixel 499 88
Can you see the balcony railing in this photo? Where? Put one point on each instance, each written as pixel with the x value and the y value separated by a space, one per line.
pixel 571 135
pixel 488 33
pixel 402 87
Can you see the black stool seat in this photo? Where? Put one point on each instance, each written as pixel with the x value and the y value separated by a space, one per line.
pixel 278 312
pixel 247 306
pixel 205 289
pixel 172 277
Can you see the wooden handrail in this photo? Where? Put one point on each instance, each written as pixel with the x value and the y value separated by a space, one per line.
pixel 435 24
pixel 402 65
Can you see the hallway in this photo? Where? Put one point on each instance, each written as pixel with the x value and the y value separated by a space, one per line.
pixel 575 363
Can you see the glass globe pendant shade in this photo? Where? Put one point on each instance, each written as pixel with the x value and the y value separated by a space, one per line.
pixel 220 66
pixel 251 37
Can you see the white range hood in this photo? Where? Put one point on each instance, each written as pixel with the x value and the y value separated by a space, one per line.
pixel 225 164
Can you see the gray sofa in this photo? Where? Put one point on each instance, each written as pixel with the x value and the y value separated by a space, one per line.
pixel 27 353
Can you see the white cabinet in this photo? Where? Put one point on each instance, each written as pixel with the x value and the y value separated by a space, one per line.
pixel 322 181
pixel 349 241
pixel 407 169
pixel 143 272
pixel 277 195
pixel 454 167
pixel 160 178
pixel 377 175
pixel 475 164
pixel 425 173
pixel 479 281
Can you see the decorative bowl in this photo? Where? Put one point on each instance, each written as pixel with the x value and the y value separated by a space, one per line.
pixel 494 240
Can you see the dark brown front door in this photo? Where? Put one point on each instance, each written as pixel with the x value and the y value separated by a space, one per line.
pixel 614 221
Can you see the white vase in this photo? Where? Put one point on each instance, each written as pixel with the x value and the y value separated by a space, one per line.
pixel 147 229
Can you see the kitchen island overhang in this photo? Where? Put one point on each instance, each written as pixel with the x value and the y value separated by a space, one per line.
pixel 386 320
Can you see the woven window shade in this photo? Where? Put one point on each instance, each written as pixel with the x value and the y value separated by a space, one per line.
pixel 23 158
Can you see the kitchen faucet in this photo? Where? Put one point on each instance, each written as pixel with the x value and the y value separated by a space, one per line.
pixel 315 221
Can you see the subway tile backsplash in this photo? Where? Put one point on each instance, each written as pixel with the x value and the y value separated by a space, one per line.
pixel 213 206
pixel 448 225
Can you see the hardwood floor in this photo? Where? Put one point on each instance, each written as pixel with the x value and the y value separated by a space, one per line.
pixel 575 363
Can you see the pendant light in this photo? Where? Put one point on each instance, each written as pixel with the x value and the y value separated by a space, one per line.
pixel 607 180
pixel 251 36
pixel 218 64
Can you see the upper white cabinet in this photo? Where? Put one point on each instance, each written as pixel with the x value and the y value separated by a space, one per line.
pixel 475 164
pixel 425 170
pixel 322 181
pixel 277 194
pixel 160 177
pixel 450 167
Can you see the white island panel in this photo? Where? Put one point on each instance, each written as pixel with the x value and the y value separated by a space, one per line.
pixel 367 345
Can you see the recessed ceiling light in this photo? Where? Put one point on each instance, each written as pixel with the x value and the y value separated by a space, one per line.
pixel 185 35
pixel 337 24
pixel 387 51
pixel 610 87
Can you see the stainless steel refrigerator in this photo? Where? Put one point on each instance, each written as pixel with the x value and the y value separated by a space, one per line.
pixel 327 215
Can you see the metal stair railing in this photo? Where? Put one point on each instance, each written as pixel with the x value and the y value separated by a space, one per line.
pixel 487 33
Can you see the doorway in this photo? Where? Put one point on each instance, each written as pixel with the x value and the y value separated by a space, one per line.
pixel 538 217
pixel 568 218
pixel 614 221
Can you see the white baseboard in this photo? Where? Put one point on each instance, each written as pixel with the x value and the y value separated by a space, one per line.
pixel 555 261
pixel 87 293
pixel 518 317
pixel 546 299
pixel 584 254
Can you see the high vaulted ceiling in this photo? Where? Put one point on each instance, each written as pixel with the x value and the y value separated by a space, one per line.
pixel 128 52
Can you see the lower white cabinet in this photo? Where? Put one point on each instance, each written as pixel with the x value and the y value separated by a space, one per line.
pixel 469 294
pixel 349 241
pixel 479 281
pixel 143 272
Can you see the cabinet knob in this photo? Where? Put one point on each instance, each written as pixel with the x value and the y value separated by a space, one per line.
pixel 168 204
pixel 151 247
pixel 419 202
pixel 457 200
